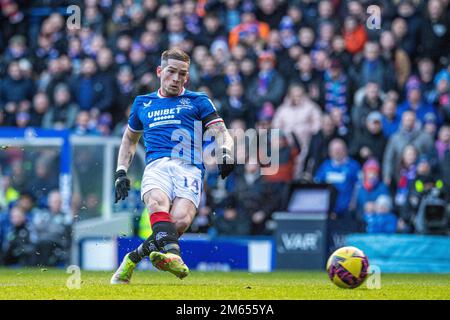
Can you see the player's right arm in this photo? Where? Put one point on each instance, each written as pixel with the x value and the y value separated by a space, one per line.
pixel 127 150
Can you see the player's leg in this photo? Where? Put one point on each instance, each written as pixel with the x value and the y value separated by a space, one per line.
pixel 156 201
pixel 187 190
pixel 166 238
pixel 183 212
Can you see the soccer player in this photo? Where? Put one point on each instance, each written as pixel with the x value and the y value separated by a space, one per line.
pixel 172 180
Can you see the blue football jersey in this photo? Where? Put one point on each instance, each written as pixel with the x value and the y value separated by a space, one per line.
pixel 173 126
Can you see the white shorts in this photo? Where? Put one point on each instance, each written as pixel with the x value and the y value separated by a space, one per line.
pixel 174 177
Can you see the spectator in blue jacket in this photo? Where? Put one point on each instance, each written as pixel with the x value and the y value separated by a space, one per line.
pixel 341 171
pixel 415 103
pixel 370 186
pixel 383 220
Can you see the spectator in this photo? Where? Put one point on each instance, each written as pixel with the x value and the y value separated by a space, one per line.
pixel 318 152
pixel 336 87
pixel 341 171
pixel 52 229
pixel 397 57
pixel 390 118
pixel 435 32
pixel 406 174
pixel 383 220
pixel 414 102
pixel 63 113
pixel 254 197
pixel 373 68
pixel 83 125
pixel 367 99
pixel 249 30
pixel 354 34
pixel 209 76
pixel 40 107
pixel 18 246
pixel 298 115
pixel 232 223
pixel 306 76
pixel 90 91
pixel 424 181
pixel 425 75
pixel 371 141
pixel 442 144
pixel 269 84
pixel 370 187
pixel 236 106
pixel 339 52
pixel 212 29
pixel 126 90
pixel 271 12
pixel 16 93
pixel 407 134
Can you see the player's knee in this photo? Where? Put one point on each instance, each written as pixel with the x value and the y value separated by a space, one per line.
pixel 183 223
pixel 156 202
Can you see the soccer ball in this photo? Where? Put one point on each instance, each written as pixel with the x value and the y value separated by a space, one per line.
pixel 347 267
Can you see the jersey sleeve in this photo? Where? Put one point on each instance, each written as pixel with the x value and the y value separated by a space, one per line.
pixel 134 123
pixel 208 112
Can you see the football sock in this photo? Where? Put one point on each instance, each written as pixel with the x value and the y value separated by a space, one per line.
pixel 166 235
pixel 144 250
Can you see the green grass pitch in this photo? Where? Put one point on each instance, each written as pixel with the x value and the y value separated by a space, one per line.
pixel 51 284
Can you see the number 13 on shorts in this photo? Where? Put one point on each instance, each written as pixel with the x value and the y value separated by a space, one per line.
pixel 192 184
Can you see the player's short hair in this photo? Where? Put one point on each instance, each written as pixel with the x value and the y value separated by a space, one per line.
pixel 176 54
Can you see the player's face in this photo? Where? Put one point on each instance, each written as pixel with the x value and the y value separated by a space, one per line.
pixel 173 76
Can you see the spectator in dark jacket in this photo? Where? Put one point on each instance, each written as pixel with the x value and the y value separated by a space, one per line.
pixel 255 197
pixel 318 151
pixel 373 68
pixel 18 246
pixel 52 228
pixel 371 141
pixel 63 113
pixel 269 84
pixel 371 101
pixel 236 105
pixel 435 32
pixel 16 92
pixel 91 91
pixel 39 109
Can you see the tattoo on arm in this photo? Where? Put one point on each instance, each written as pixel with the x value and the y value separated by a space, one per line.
pixel 222 136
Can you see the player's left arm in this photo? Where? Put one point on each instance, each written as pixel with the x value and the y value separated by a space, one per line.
pixel 225 146
pixel 214 126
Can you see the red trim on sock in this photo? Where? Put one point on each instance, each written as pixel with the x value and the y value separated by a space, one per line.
pixel 159 217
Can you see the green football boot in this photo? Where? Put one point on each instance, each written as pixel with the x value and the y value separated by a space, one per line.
pixel 125 271
pixel 169 262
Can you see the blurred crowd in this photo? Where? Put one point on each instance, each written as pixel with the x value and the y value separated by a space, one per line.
pixel 362 107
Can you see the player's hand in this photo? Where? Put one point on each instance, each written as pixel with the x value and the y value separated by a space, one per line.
pixel 227 165
pixel 121 184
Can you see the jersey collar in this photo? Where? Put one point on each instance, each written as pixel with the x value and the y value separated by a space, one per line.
pixel 160 95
